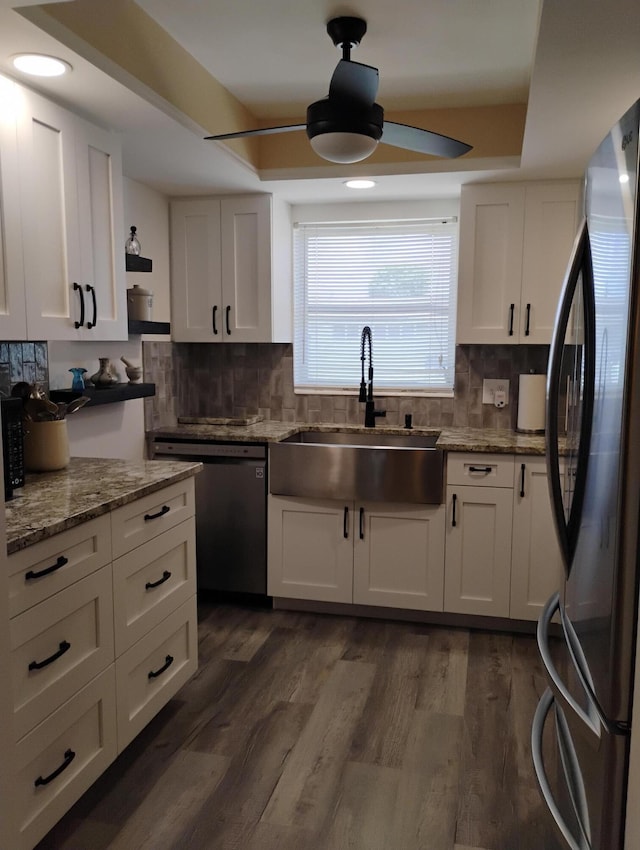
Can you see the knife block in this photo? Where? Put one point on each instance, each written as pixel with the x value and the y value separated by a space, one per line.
pixel 46 445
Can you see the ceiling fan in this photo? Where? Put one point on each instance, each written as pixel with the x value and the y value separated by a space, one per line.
pixel 347 125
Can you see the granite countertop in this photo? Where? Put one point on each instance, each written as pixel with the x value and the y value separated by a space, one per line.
pixel 51 502
pixel 451 439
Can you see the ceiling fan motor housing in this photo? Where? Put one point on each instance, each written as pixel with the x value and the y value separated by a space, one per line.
pixel 325 116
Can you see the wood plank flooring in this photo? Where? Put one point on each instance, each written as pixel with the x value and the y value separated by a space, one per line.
pixel 316 732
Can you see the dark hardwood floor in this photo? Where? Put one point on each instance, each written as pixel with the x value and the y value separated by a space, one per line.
pixel 318 732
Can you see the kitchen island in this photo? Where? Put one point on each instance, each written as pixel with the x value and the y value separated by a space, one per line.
pixel 100 590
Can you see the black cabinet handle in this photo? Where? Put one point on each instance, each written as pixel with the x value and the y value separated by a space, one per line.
pixel 361 523
pixel 153 674
pixel 92 290
pixel 163 510
pixel 45 780
pixel 485 469
pixel 65 646
pixel 522 470
pixel 454 499
pixel 59 563
pixel 78 288
pixel 227 314
pixel 213 319
pixel 512 308
pixel 166 575
pixel 345 523
pixel 526 327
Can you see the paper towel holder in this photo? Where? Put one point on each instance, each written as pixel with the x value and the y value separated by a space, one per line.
pixel 531 403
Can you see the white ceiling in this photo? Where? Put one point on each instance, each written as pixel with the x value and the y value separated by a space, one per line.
pixel 576 65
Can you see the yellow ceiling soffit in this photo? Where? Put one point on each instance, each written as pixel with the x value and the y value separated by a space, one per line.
pixel 134 43
pixel 119 36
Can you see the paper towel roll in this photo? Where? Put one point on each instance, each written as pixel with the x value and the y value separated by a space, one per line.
pixel 531 403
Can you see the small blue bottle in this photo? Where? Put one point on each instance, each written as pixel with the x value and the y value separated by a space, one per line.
pixel 78 381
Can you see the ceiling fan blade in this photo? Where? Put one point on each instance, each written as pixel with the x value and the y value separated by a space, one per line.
pixel 354 82
pixel 265 131
pixel 422 141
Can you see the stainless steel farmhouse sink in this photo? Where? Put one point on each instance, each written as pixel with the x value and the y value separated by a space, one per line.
pixel 362 466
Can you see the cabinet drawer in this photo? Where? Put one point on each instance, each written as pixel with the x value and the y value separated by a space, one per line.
pixel 154 669
pixel 85 727
pixel 53 564
pixel 139 521
pixel 480 470
pixel 60 645
pixel 152 581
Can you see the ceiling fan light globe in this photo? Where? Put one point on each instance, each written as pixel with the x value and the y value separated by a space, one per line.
pixel 343 147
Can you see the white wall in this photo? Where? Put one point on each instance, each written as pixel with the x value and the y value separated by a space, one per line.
pixel 117 430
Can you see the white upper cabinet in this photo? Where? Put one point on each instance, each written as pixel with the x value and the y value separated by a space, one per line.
pixel 12 305
pixel 515 243
pixel 70 176
pixel 231 270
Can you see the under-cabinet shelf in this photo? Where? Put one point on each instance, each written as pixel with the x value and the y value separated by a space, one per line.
pixel 135 263
pixel 137 326
pixel 105 395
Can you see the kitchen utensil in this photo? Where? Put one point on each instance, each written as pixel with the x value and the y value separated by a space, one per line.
pixel 76 404
pixel 134 373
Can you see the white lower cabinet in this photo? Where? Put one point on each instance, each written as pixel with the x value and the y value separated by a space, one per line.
pixel 96 648
pixel 365 553
pixel 536 563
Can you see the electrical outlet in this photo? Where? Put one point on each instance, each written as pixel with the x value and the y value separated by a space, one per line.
pixel 489 389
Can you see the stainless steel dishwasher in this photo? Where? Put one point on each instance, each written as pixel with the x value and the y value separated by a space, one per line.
pixel 231 512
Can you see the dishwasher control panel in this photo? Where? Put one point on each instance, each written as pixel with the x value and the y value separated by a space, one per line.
pixel 178 448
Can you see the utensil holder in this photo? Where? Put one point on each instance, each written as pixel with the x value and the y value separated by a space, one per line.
pixel 46 445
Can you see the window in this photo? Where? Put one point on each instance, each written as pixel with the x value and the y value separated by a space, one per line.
pixel 399 278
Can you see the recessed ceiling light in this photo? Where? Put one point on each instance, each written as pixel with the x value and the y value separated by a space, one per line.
pixel 360 184
pixel 39 65
pixel 624 178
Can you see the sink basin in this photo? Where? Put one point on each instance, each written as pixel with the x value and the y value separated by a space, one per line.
pixel 362 466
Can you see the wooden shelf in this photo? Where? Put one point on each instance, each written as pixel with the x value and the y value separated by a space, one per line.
pixel 106 395
pixel 134 263
pixel 136 326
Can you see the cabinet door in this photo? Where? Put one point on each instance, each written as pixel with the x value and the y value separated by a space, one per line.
pixel 102 233
pixel 50 218
pixel 246 268
pixel 490 263
pixel 550 225
pixel 196 282
pixel 399 556
pixel 310 549
pixel 536 563
pixel 13 324
pixel 478 550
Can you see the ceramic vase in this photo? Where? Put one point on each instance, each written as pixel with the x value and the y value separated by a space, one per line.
pixel 104 377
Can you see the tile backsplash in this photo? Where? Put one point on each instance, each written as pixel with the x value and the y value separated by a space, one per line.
pixel 238 379
pixel 23 361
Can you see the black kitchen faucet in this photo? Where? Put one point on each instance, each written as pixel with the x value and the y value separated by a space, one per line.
pixel 366 389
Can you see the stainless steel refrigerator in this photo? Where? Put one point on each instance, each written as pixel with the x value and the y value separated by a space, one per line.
pixel 587 632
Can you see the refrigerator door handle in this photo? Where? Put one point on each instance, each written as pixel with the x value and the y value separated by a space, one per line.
pixel 591 719
pixel 537 729
pixel 580 263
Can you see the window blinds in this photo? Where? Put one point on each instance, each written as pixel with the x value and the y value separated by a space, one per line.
pixel 397 277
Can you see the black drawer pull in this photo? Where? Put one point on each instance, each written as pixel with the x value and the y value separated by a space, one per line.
pixel 361 523
pixel 167 663
pixel 45 780
pixel 345 523
pixel 78 288
pixel 485 469
pixel 163 510
pixel 92 290
pixel 59 563
pixel 522 470
pixel 213 319
pixel 166 575
pixel 512 308
pixel 526 327
pixel 65 646
pixel 454 499
pixel 228 312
